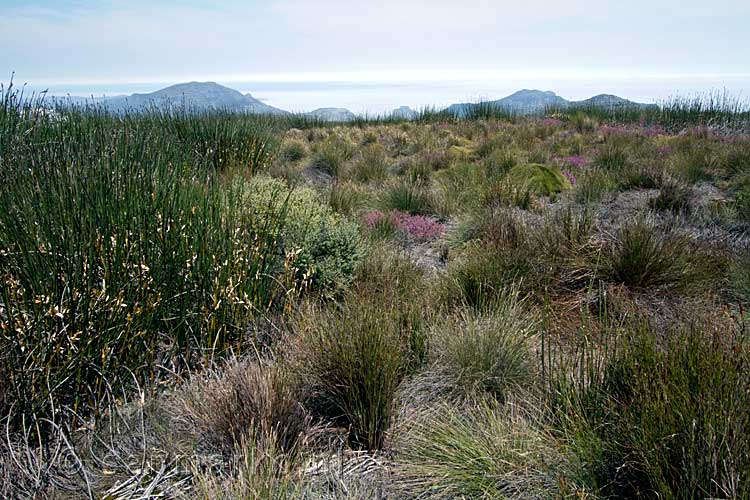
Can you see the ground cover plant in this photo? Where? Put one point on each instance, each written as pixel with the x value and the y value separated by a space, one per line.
pixel 216 305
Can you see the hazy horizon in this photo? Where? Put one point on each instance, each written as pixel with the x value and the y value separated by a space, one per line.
pixel 379 97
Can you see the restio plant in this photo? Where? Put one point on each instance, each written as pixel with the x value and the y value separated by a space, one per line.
pixel 126 245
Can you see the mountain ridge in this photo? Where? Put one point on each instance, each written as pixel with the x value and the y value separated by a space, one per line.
pixel 211 95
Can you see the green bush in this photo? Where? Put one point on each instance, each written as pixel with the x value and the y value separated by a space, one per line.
pixel 542 180
pixel 326 246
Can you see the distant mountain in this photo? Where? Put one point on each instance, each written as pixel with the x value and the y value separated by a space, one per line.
pixel 608 101
pixel 209 95
pixel 404 112
pixel 194 95
pixel 535 101
pixel 332 114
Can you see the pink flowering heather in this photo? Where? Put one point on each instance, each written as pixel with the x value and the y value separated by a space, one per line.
pixel 575 161
pixel 614 129
pixel 664 150
pixel 653 131
pixel 421 228
pixel 570 177
pixel 552 122
pixel 418 228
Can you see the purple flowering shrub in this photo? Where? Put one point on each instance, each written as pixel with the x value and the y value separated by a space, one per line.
pixel 417 228
pixel 570 177
pixel 574 161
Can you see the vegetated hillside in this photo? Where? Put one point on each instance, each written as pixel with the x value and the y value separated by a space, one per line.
pixel 218 305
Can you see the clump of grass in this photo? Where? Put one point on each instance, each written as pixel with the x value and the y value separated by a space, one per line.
pixel 485 451
pixel 372 166
pixel 739 278
pixel 498 258
pixel 293 151
pixel 742 205
pixel 486 354
pixel 499 162
pixel 260 469
pixel 542 180
pixel 354 356
pixel 644 256
pixel 696 163
pixel 583 123
pixel 246 399
pixel 345 198
pixel 504 194
pixel 593 186
pixel 638 177
pixel 407 197
pixel 674 197
pixel 611 156
pixel 331 156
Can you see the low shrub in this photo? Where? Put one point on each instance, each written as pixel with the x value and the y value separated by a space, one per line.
pixel 326 246
pixel 416 228
pixel 542 180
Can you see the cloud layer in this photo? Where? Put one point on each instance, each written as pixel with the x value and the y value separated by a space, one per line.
pixel 88 41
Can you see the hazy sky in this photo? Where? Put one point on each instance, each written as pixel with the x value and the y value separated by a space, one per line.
pixel 92 44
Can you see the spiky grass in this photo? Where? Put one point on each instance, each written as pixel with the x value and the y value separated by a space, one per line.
pixel 485 354
pixel 481 452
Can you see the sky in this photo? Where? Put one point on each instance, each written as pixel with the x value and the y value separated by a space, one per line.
pixel 300 54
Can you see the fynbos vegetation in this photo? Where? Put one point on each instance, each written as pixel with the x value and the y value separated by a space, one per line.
pixel 475 305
